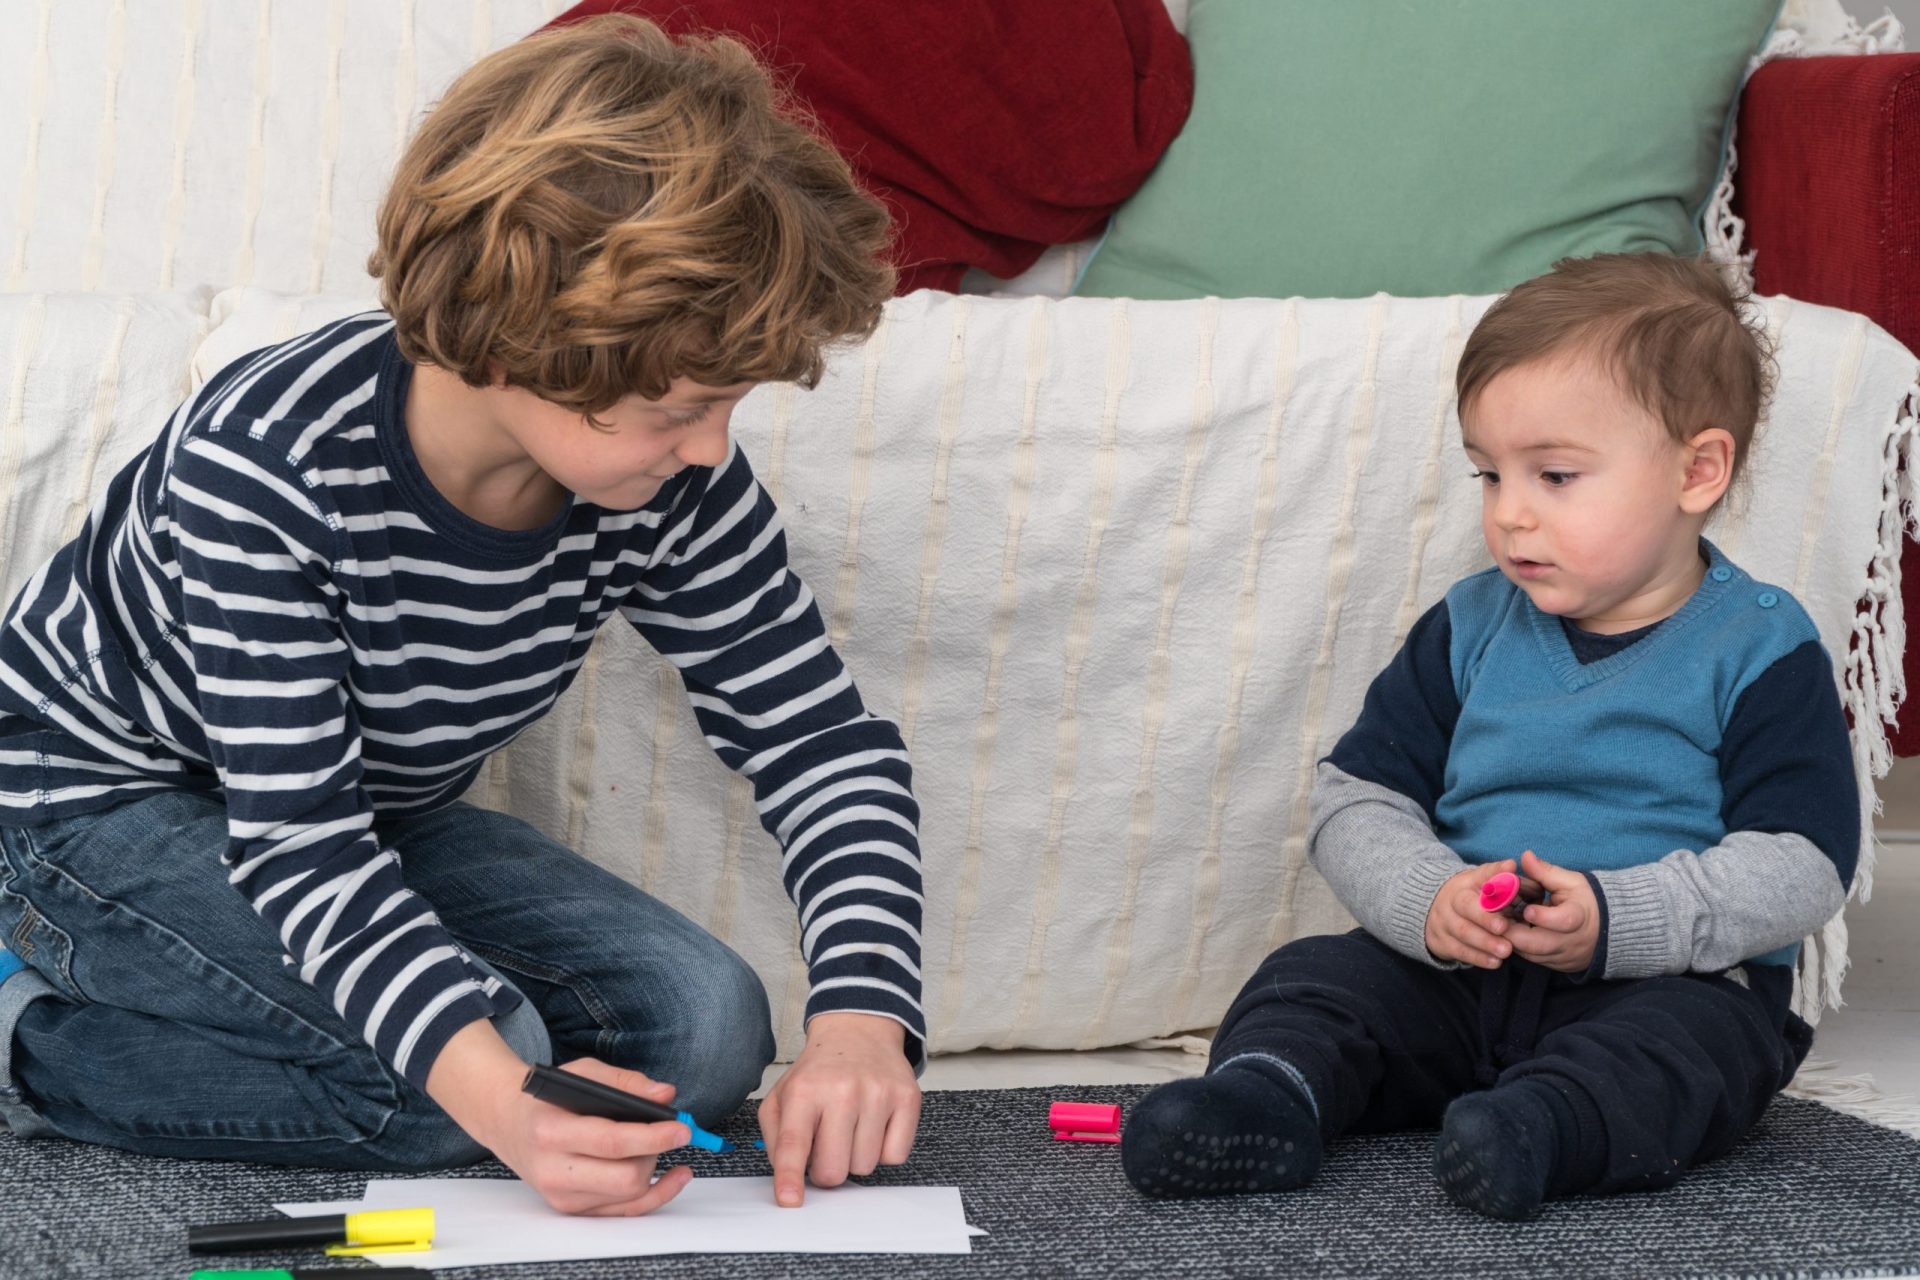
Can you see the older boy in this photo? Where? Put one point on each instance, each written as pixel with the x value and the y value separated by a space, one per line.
pixel 237 712
pixel 1659 733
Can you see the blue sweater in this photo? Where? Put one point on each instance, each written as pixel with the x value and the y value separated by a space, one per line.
pixel 1722 718
pixel 273 605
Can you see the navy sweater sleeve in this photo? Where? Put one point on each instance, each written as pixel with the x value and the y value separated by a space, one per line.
pixel 1405 727
pixel 1786 764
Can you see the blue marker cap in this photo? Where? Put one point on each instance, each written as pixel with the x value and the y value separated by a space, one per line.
pixel 701 1138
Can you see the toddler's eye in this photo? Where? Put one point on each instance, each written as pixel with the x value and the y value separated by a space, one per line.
pixel 1556 478
pixel 1485 477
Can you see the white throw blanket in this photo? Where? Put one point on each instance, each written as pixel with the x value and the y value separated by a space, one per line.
pixel 1121 570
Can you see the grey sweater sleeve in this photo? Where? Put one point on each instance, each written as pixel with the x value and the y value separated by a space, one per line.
pixel 1381 858
pixel 1747 895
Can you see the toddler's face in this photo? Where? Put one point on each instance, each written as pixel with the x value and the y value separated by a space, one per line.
pixel 646 441
pixel 1581 495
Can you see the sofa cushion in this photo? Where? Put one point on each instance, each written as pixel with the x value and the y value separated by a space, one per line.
pixel 990 130
pixel 86 380
pixel 1418 149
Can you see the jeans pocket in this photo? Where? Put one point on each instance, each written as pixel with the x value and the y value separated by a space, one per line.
pixel 42 944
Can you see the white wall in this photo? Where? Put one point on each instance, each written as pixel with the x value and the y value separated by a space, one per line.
pixel 1908 11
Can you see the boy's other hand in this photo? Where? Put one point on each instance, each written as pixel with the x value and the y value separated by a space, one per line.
pixel 848 1103
pixel 1562 935
pixel 1457 929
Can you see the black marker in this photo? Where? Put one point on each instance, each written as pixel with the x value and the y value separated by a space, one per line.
pixel 591 1098
pixel 374 1230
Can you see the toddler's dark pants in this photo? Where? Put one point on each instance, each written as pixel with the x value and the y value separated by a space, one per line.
pixel 1667 1072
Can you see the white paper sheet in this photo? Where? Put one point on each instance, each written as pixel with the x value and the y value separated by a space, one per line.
pixel 487 1222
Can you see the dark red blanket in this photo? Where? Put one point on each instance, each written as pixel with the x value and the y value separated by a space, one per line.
pixel 991 128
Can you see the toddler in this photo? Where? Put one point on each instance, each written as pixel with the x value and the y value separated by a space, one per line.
pixel 1616 712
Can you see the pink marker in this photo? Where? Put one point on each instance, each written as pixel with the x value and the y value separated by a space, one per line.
pixel 1508 894
pixel 1084 1122
pixel 1496 893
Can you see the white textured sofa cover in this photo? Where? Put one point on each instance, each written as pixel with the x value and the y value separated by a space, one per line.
pixel 1121 571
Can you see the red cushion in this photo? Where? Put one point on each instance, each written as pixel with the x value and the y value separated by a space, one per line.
pixel 1829 184
pixel 991 130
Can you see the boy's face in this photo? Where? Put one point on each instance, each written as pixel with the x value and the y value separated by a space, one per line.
pixel 1585 500
pixel 646 441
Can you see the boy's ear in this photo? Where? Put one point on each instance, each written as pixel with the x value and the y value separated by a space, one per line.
pixel 1709 458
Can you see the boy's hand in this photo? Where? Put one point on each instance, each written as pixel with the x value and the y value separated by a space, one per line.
pixel 848 1103
pixel 1457 929
pixel 1563 935
pixel 588 1164
pixel 578 1164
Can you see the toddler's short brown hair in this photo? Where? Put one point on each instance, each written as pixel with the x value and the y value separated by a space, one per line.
pixel 600 209
pixel 1671 330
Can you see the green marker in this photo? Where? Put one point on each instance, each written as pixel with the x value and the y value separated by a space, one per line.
pixel 315 1273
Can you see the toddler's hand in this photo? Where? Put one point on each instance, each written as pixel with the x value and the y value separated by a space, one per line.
pixel 1457 929
pixel 1563 935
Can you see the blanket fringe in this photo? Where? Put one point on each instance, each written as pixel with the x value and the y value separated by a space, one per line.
pixel 1190 1042
pixel 1723 233
pixel 1873 687
pixel 1820 1081
pixel 1874 683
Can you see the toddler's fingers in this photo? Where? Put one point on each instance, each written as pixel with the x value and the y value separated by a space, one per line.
pixel 1547 947
pixel 1478 959
pixel 1552 876
pixel 1476 946
pixel 1478 929
pixel 1567 917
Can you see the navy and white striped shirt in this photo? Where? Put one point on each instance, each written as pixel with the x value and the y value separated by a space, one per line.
pixel 273 604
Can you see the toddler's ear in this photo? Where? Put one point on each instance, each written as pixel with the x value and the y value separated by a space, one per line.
pixel 1709 459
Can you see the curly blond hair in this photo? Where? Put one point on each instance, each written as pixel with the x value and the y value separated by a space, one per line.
pixel 600 209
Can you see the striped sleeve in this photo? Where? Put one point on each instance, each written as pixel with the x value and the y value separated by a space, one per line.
pixel 831 781
pixel 261 602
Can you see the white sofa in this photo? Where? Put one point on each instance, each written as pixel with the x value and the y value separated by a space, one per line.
pixel 1121 570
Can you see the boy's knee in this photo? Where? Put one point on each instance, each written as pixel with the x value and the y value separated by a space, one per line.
pixel 525 1033
pixel 387 1124
pixel 720 1044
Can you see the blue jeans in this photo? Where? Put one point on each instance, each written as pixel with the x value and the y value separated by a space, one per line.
pixel 158 1015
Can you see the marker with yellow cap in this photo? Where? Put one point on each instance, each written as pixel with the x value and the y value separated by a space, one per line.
pixel 343 1234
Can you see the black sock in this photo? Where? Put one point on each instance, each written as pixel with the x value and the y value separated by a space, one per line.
pixel 1506 1151
pixel 1249 1125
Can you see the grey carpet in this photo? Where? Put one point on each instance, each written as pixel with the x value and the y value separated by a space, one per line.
pixel 1811 1193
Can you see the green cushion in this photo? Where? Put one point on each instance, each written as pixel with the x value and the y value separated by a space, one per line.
pixel 1339 148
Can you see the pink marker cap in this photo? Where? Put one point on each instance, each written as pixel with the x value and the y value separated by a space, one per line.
pixel 1498 892
pixel 1084 1121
